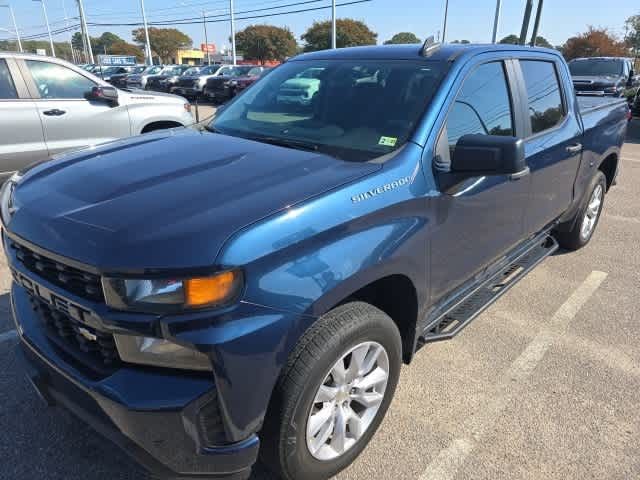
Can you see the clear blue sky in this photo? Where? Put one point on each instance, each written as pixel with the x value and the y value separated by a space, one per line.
pixel 468 19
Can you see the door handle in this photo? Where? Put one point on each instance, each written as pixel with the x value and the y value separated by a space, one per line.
pixel 54 113
pixel 577 148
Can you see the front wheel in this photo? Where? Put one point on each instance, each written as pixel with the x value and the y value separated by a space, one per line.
pixel 333 393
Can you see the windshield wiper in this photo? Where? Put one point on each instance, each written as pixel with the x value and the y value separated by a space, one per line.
pixel 285 142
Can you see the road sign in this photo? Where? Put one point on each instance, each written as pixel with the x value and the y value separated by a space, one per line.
pixel 116 60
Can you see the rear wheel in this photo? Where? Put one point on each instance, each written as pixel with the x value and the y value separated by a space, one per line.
pixel 333 394
pixel 587 218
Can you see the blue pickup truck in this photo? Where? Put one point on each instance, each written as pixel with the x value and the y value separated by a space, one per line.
pixel 205 297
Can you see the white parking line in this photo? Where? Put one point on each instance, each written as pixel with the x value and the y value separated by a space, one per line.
pixel 446 464
pixel 631 159
pixel 623 219
pixel 6 336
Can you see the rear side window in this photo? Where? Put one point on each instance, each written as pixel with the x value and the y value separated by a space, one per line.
pixel 483 105
pixel 7 89
pixel 543 94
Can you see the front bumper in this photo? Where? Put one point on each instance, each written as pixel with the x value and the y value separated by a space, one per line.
pixel 152 414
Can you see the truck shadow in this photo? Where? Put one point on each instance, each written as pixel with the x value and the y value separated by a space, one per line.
pixel 633 132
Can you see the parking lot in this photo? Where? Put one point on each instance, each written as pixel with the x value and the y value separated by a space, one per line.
pixel 544 384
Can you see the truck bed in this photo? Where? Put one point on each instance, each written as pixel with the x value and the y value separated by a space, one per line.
pixel 588 103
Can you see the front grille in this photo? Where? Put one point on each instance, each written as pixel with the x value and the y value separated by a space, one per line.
pixel 187 83
pixel 89 347
pixel 78 282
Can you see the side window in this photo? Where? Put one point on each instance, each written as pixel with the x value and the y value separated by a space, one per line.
pixel 543 92
pixel 483 105
pixel 7 88
pixel 57 81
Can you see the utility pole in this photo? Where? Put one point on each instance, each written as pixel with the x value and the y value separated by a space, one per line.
pixel 536 23
pixel 15 25
pixel 206 39
pixel 66 24
pixel 496 20
pixel 333 25
pixel 147 47
pixel 444 25
pixel 233 32
pixel 88 51
pixel 525 22
pixel 46 20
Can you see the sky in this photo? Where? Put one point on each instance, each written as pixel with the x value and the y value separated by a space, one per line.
pixel 467 19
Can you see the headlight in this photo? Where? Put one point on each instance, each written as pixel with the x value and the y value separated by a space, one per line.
pixel 160 353
pixel 7 207
pixel 232 83
pixel 173 295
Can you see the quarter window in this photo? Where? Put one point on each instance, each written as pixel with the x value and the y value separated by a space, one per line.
pixel 483 105
pixel 543 93
pixel 56 81
pixel 7 88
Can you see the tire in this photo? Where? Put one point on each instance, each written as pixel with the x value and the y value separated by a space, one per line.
pixel 579 235
pixel 314 361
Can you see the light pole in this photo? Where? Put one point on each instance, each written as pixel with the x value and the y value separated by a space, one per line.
pixel 333 24
pixel 15 25
pixel 496 20
pixel 233 32
pixel 46 20
pixel 66 24
pixel 444 25
pixel 86 39
pixel 206 39
pixel 147 49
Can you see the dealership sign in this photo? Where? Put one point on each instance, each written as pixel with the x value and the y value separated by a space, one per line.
pixel 116 60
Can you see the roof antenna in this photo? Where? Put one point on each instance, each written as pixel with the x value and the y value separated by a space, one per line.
pixel 429 46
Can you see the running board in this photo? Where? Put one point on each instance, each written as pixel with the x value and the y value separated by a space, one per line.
pixel 460 313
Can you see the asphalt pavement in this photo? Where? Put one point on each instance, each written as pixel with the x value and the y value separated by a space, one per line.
pixel 543 385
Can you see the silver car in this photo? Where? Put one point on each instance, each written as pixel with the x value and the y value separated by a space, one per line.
pixel 49 106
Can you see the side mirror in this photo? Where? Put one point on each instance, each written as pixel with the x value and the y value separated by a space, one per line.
pixel 485 155
pixel 103 93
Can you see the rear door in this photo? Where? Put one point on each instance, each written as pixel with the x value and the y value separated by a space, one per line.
pixel 69 120
pixel 21 136
pixel 553 141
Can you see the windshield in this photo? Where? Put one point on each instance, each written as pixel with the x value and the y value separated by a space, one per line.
pixel 254 72
pixel 354 110
pixel 593 68
pixel 209 70
pixel 237 71
pixel 152 70
pixel 191 71
pixel 138 70
pixel 111 70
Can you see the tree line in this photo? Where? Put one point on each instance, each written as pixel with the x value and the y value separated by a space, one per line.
pixel 264 43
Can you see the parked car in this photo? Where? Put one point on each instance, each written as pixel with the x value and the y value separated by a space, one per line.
pixel 168 77
pixel 245 81
pixel 48 106
pixel 139 80
pixel 201 295
pixel 301 89
pixel 192 86
pixel 119 80
pixel 223 87
pixel 601 75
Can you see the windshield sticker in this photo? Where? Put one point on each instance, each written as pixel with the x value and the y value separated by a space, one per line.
pixel 388 141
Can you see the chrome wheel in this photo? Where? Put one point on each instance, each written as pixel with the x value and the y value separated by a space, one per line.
pixel 347 401
pixel 591 214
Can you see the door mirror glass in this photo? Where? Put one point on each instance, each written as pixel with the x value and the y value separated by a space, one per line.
pixel 103 93
pixel 477 155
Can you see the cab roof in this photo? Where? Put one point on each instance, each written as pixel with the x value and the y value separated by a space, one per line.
pixel 446 51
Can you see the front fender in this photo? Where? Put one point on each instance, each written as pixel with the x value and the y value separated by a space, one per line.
pixel 301 262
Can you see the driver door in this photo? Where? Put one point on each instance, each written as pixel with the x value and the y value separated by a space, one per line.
pixel 70 121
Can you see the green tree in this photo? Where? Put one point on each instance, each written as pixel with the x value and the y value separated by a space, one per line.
pixel 403 37
pixel 515 40
pixel 266 42
pixel 165 42
pixel 121 47
pixel 349 33
pixel 632 37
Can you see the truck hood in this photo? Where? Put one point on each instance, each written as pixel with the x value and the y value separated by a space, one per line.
pixel 165 200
